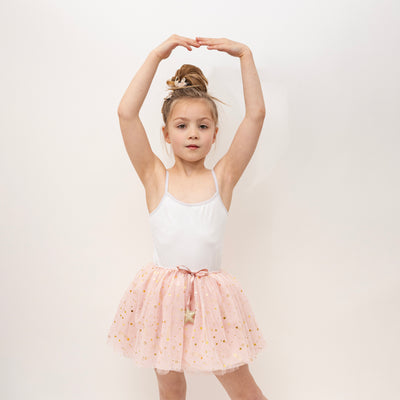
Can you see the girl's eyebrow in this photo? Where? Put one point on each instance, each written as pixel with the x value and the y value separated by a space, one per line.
pixel 187 119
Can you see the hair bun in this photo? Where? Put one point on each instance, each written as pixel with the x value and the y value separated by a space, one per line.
pixel 188 75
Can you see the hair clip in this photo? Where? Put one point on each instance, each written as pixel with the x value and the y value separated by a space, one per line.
pixel 181 83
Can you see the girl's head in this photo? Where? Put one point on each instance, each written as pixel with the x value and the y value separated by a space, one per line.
pixel 189 82
pixel 189 112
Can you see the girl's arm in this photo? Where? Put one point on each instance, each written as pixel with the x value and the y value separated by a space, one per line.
pixel 245 140
pixel 133 133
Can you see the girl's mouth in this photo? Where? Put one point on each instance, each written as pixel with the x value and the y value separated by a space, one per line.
pixel 192 147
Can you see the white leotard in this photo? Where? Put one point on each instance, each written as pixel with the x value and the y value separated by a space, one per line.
pixel 188 234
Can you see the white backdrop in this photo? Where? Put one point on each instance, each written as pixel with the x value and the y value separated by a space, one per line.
pixel 313 234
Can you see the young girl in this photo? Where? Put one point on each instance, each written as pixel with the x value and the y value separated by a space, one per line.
pixel 183 312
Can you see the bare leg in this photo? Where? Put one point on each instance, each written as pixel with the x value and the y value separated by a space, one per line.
pixel 172 386
pixel 240 385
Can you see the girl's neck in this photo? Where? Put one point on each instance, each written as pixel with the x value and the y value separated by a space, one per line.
pixel 188 169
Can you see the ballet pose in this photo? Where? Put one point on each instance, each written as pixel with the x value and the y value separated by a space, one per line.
pixel 184 311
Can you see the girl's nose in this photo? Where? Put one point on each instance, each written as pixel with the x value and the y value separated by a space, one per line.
pixel 193 133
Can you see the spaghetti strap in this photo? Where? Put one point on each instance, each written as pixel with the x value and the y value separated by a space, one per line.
pixel 215 180
pixel 166 181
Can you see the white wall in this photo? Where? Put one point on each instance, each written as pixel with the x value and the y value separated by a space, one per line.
pixel 313 233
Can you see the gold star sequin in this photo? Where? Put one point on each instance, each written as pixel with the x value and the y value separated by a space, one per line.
pixel 189 315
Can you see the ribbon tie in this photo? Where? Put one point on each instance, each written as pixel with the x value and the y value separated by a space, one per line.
pixel 189 314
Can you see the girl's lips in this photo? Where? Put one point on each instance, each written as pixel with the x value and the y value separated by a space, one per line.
pixel 192 147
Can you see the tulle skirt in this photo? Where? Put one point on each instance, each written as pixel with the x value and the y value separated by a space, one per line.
pixel 175 320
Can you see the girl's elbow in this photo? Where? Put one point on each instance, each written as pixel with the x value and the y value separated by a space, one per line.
pixel 258 114
pixel 123 113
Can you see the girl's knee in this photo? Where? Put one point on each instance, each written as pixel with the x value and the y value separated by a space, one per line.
pixel 253 395
pixel 172 386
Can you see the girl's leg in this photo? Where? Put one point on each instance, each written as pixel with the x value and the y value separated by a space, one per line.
pixel 240 385
pixel 171 386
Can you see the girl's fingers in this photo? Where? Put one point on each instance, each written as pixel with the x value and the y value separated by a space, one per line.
pixel 190 41
pixel 215 47
pixel 217 42
pixel 210 40
pixel 187 43
pixel 205 40
pixel 222 44
pixel 193 43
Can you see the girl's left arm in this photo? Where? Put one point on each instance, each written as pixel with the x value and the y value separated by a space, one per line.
pixel 244 143
pixel 253 96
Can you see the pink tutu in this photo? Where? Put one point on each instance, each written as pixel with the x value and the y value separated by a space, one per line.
pixel 152 324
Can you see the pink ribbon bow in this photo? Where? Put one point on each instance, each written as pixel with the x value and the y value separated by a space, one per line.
pixel 193 274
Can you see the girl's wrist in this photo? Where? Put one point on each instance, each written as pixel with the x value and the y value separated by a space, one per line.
pixel 153 54
pixel 246 52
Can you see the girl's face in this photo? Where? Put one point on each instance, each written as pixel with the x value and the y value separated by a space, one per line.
pixel 190 123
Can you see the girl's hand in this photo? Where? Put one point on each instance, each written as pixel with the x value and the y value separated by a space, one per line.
pixel 235 49
pixel 165 48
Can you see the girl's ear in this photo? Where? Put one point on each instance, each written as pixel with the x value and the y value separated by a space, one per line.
pixel 165 133
pixel 215 134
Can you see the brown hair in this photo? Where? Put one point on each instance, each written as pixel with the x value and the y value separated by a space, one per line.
pixel 190 82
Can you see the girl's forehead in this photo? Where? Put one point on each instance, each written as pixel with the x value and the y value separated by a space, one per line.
pixel 191 108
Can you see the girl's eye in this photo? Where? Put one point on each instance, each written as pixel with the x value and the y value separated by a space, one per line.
pixel 203 126
pixel 180 125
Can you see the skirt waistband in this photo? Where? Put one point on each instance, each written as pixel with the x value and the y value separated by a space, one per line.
pixel 182 267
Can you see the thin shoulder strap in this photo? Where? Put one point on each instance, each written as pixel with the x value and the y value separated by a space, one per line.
pixel 215 180
pixel 166 181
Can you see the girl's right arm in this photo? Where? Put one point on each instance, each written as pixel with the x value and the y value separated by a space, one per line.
pixel 133 132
